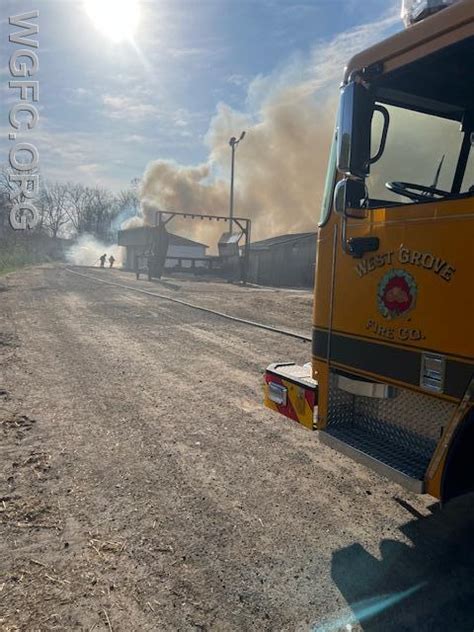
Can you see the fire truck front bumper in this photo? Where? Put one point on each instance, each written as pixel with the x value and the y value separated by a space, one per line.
pixel 290 390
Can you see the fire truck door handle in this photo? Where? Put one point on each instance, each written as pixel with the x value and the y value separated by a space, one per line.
pixel 360 245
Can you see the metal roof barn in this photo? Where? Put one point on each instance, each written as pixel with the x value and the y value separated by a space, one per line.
pixel 284 261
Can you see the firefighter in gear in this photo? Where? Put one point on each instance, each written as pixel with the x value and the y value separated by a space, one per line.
pixel 102 260
pixel 111 261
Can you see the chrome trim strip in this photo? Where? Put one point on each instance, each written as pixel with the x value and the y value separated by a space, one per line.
pixel 366 388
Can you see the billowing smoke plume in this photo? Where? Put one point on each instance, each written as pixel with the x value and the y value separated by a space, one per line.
pixel 87 250
pixel 281 163
pixel 280 168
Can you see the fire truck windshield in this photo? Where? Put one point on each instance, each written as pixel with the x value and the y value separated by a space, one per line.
pixel 422 150
pixel 430 138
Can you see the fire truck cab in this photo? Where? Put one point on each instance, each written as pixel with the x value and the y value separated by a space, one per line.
pixel 391 383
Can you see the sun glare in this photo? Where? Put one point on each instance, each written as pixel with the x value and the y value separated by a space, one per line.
pixel 116 19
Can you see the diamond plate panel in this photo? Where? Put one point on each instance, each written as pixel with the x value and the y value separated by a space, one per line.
pixel 401 432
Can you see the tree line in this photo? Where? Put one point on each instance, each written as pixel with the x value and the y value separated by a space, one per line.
pixel 71 209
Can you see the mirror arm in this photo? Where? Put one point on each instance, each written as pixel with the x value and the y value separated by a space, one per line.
pixel 386 121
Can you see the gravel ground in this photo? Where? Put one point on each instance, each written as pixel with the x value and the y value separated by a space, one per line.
pixel 145 488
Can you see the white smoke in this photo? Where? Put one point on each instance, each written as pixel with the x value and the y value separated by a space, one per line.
pixel 133 222
pixel 87 250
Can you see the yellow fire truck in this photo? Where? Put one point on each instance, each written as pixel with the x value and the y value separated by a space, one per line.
pixel 391 383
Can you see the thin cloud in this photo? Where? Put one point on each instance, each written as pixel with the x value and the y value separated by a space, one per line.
pixel 238 80
pixel 122 107
pixel 92 168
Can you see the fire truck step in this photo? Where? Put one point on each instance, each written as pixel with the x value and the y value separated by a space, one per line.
pixel 396 462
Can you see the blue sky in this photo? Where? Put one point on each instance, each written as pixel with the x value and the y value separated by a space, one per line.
pixel 107 109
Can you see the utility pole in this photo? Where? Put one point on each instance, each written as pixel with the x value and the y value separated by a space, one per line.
pixel 233 142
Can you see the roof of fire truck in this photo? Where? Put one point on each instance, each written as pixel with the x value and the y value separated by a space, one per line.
pixel 448 26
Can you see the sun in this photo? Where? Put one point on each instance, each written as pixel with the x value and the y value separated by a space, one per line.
pixel 116 19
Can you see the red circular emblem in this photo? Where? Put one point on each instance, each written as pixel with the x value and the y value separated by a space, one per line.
pixel 396 293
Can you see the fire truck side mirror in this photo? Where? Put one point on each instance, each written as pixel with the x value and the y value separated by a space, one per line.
pixel 353 130
pixel 350 197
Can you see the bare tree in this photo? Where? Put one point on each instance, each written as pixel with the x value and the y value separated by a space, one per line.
pixel 78 208
pixel 103 209
pixel 91 210
pixel 54 207
pixel 129 201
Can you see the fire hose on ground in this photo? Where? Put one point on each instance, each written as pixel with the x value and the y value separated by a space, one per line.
pixel 244 321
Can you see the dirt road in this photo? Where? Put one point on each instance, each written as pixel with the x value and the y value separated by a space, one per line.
pixel 145 488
